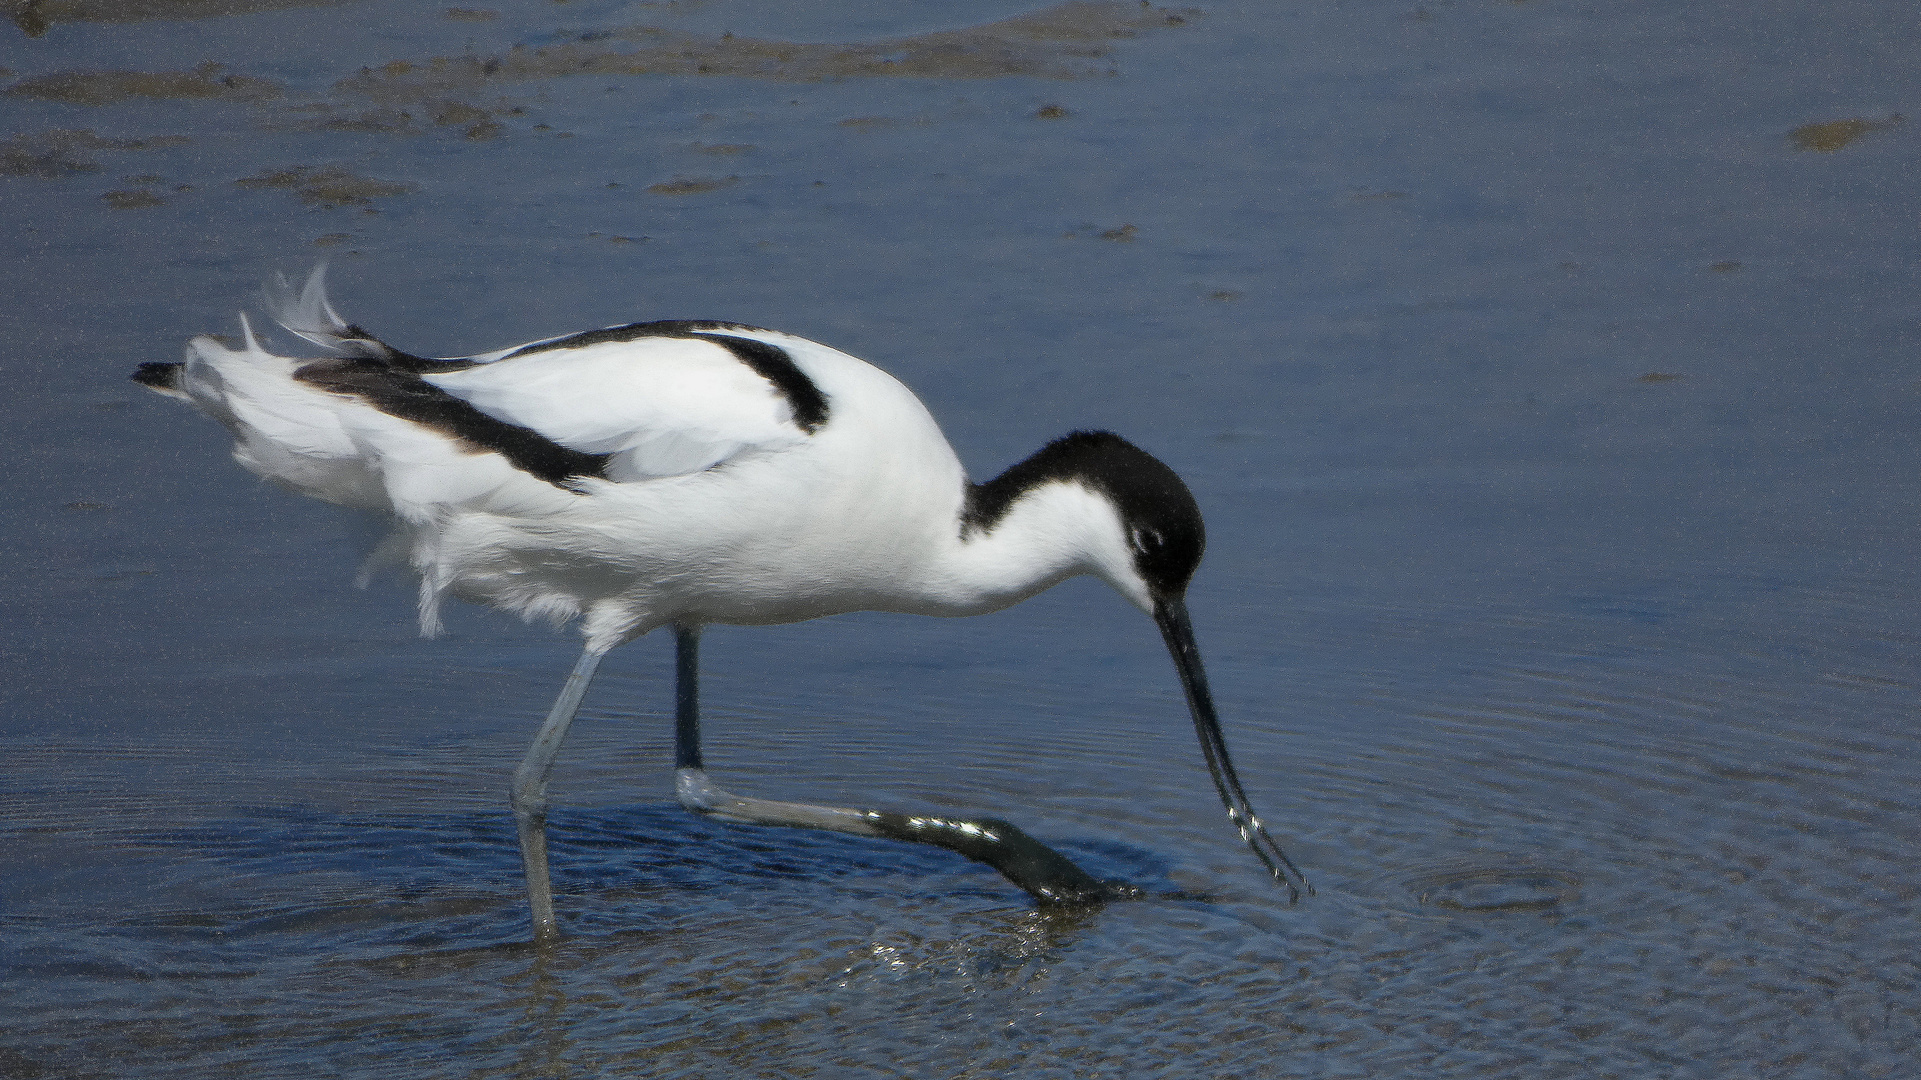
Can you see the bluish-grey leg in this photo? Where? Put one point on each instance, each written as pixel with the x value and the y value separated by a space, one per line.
pixel 1044 873
pixel 530 793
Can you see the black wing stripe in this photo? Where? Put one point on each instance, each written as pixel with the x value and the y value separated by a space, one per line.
pixel 770 362
pixel 356 340
pixel 671 328
pixel 396 390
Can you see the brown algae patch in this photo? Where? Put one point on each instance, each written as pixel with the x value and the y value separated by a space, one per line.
pixel 376 121
pixel 1067 41
pixel 693 185
pixel 457 113
pixel 108 87
pixel 476 122
pixel 1831 136
pixel 134 199
pixel 329 187
pixel 64 151
pixel 479 123
pixel 34 17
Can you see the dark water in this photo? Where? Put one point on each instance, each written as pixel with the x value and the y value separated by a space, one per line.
pixel 1546 374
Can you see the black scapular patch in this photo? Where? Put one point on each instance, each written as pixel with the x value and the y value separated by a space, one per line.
pixel 356 340
pixel 398 390
pixel 770 362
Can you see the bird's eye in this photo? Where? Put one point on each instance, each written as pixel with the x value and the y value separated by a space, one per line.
pixel 1146 538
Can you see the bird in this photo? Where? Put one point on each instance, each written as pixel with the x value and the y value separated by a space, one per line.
pixel 683 473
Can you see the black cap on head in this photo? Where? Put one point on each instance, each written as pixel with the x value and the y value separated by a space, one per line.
pixel 1159 514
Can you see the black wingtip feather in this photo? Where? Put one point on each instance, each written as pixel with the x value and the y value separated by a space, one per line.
pixel 158 375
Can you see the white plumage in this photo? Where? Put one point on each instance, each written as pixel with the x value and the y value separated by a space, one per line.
pixel 689 473
pixel 714 504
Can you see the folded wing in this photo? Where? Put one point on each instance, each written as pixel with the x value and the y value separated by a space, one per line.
pixel 656 406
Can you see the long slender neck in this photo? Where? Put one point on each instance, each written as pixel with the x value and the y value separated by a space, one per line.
pixel 1059 513
pixel 1039 538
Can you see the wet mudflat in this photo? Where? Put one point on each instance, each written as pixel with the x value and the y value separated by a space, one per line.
pixel 1546 375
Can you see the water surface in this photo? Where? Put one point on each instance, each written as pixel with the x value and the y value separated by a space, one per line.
pixel 1545 374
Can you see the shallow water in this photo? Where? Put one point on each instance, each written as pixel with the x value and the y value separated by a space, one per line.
pixel 1545 374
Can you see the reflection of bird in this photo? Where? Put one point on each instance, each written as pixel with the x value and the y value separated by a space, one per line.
pixel 687 473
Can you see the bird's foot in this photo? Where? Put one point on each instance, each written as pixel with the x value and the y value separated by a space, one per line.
pixel 1104 892
pixel 1049 877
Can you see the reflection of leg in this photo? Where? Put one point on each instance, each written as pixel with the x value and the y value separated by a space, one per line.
pixel 1044 873
pixel 530 793
pixel 543 1049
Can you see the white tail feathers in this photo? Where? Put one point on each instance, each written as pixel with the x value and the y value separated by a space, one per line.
pixel 307 314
